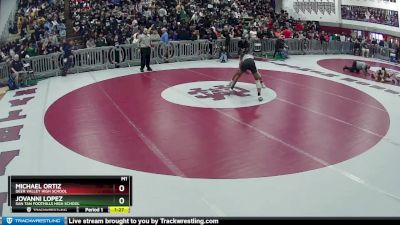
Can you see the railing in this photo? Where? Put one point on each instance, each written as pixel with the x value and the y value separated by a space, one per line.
pixel 129 55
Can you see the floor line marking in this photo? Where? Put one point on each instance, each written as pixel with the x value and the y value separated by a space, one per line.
pixel 153 147
pixel 328 93
pixel 212 206
pixel 327 116
pixel 340 121
pixel 322 162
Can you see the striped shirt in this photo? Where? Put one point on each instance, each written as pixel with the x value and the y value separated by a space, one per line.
pixel 144 41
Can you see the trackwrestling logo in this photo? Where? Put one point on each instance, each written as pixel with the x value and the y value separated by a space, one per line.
pixel 33 220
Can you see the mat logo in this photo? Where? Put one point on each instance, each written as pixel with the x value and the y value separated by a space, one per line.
pixel 10 129
pixel 218 93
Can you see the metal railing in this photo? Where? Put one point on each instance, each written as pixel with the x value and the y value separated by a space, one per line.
pixel 129 55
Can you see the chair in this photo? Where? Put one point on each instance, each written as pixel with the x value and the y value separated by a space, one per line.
pixel 30 78
pixel 257 48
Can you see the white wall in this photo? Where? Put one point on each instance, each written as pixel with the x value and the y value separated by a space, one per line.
pixel 6 8
pixel 373 26
pixel 372 3
pixel 334 19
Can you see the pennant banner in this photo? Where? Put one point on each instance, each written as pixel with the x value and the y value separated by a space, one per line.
pixel 315 6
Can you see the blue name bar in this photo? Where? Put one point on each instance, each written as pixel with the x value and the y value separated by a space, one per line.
pixel 33 220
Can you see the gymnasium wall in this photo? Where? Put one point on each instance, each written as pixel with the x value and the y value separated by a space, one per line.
pixel 6 8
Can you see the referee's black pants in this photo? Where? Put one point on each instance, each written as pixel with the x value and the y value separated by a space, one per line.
pixel 145 57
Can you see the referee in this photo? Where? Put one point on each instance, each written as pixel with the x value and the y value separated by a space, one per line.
pixel 145 50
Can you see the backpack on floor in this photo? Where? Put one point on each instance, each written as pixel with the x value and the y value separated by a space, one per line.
pixel 11 84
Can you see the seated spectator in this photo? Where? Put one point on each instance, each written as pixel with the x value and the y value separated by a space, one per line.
pixel 100 40
pixel 357 47
pixel 287 33
pixel 2 56
pixel 277 33
pixel 17 71
pixel 223 54
pixel 365 49
pixel 154 36
pixel 31 51
pixel 371 15
pixel 90 43
pixel 253 33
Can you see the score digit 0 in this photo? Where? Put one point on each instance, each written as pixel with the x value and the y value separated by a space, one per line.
pixel 121 200
pixel 121 188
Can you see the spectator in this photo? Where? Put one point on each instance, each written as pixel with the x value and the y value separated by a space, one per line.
pixel 364 49
pixel 90 43
pixel 253 33
pixel 227 35
pixel 287 33
pixel 17 70
pixel 165 36
pixel 68 56
pixel 110 23
pixel 223 54
pixel 342 37
pixel 371 15
pixel 324 38
pixel 243 46
pixel 31 51
pixel 101 41
pixel 279 45
pixel 154 36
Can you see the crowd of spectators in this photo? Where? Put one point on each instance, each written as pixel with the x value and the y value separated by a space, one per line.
pixel 38 29
pixel 111 22
pixel 97 23
pixel 371 15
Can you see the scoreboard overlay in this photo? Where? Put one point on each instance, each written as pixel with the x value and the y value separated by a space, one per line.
pixel 70 194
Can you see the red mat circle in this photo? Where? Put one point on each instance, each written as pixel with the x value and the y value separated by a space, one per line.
pixel 338 64
pixel 124 122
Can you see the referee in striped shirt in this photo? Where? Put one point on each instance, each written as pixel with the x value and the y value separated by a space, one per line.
pixel 145 50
